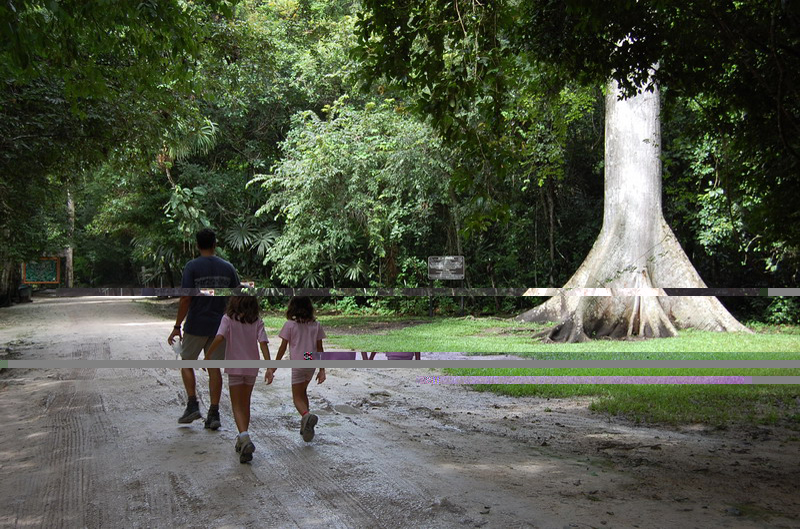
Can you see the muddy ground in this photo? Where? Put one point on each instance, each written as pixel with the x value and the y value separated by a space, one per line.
pixel 102 448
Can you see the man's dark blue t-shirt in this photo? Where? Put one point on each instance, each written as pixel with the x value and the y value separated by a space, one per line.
pixel 205 313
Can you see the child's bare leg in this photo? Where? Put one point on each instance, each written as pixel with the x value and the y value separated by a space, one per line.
pixel 240 402
pixel 300 397
pixel 247 391
pixel 240 415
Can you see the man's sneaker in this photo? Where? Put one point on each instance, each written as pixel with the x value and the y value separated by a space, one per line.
pixel 192 413
pixel 212 419
pixel 307 424
pixel 245 447
pixel 238 445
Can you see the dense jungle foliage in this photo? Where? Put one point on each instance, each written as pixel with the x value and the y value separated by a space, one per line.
pixel 271 122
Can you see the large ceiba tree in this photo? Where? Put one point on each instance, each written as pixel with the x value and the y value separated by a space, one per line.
pixel 636 248
pixel 464 59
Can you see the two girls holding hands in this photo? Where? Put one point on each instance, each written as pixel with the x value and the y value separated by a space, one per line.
pixel 243 331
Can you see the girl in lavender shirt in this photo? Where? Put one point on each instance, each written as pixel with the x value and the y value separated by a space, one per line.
pixel 303 334
pixel 243 332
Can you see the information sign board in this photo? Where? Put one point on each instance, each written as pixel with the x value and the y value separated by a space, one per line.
pixel 446 267
pixel 46 270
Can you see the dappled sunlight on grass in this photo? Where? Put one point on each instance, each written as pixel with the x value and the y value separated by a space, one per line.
pixel 490 335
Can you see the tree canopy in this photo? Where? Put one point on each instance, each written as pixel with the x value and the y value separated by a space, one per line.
pixel 158 118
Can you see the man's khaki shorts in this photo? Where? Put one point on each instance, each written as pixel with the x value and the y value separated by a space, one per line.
pixel 192 345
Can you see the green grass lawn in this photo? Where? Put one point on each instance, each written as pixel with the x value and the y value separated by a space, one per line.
pixel 491 336
pixel 717 405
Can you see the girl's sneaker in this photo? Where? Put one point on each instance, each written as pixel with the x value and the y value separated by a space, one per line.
pixel 307 424
pixel 245 448
pixel 247 452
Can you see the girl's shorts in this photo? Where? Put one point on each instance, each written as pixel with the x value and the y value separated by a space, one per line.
pixel 238 380
pixel 301 375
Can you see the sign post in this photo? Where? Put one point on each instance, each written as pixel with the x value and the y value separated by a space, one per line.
pixel 445 267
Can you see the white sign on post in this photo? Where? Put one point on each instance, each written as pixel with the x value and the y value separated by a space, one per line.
pixel 446 267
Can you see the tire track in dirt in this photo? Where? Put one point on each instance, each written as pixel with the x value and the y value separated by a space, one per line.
pixel 74 423
pixel 146 494
pixel 414 496
pixel 173 486
pixel 368 489
pixel 384 456
pixel 303 476
pixel 437 442
pixel 311 472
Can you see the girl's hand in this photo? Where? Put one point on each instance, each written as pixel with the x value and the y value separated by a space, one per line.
pixel 269 376
pixel 321 376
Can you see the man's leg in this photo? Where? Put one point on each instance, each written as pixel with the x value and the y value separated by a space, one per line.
pixel 190 350
pixel 215 385
pixel 215 392
pixel 192 412
pixel 187 374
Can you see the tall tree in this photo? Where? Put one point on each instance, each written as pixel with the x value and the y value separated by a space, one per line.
pixel 737 62
pixel 456 53
pixel 636 248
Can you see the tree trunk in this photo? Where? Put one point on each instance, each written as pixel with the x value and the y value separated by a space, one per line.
pixel 549 203
pixel 636 248
pixel 6 282
pixel 70 235
pixel 168 271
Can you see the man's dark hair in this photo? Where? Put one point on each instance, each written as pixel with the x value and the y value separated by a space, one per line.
pixel 206 239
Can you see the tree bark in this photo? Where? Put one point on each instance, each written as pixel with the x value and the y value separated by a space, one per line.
pixel 6 283
pixel 635 248
pixel 70 235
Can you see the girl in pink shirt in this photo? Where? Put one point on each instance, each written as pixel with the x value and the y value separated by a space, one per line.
pixel 303 334
pixel 243 332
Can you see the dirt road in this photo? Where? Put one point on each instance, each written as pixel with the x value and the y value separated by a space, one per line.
pixel 102 448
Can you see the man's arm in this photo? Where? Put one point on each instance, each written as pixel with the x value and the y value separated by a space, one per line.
pixel 183 310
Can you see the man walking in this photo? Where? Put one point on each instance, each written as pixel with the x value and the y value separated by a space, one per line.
pixel 203 315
